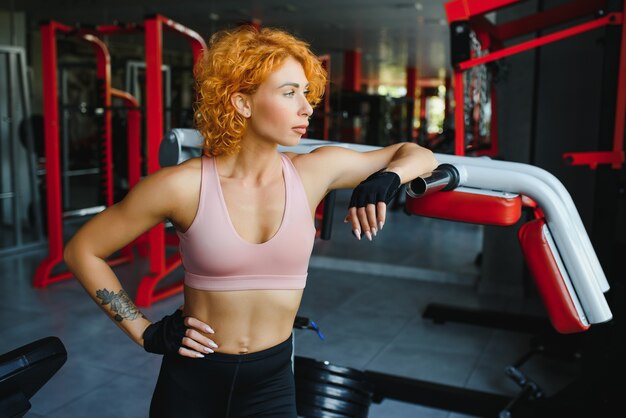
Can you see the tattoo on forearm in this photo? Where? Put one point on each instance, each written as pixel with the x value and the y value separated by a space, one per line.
pixel 121 304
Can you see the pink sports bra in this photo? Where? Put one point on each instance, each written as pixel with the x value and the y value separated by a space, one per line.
pixel 216 258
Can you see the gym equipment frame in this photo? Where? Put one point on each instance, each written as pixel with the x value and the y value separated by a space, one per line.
pixel 44 275
pixel 467 15
pixel 155 239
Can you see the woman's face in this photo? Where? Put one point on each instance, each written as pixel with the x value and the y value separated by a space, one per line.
pixel 279 109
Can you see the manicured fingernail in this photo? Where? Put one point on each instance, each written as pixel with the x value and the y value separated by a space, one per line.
pixel 209 330
pixel 357 234
pixel 212 344
pixel 368 234
pixel 374 230
pixel 207 350
pixel 199 355
pixel 345 220
pixel 380 225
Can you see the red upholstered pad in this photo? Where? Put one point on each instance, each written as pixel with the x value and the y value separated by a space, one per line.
pixel 466 206
pixel 549 280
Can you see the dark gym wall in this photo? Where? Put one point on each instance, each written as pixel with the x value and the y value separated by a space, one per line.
pixel 548 104
pixel 12 28
pixel 568 115
pixel 502 262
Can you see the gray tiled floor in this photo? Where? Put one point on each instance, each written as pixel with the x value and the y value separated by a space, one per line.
pixel 371 321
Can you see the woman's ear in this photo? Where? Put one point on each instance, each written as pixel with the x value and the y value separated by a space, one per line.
pixel 242 104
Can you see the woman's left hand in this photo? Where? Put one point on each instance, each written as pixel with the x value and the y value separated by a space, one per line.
pixel 368 205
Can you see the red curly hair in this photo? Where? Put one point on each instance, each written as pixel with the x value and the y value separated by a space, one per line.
pixel 239 60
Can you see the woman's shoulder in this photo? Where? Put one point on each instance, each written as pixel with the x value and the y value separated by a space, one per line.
pixel 180 185
pixel 190 167
pixel 312 170
pixel 314 161
pixel 179 180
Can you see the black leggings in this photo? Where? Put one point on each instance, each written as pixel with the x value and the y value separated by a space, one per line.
pixel 221 385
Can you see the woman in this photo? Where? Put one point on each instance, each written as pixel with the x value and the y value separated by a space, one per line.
pixel 244 214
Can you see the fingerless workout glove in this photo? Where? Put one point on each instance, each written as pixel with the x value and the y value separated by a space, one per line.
pixel 381 186
pixel 165 336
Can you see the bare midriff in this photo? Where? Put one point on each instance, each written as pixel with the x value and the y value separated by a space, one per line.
pixel 244 321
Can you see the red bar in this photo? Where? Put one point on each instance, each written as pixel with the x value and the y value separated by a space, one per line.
pixel 548 18
pixel 147 296
pixel 103 73
pixel 118 29
pixel 159 268
pixel 51 141
pixel 133 135
pixel 196 41
pixel 51 131
pixel 133 143
pixel 352 70
pixel 593 159
pixel 620 106
pixel 411 87
pixel 493 131
pixel 154 91
pixel 154 127
pixel 459 120
pixel 411 82
pixel 610 19
pixel 147 292
pixel 464 9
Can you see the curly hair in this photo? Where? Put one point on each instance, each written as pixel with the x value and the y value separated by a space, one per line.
pixel 239 60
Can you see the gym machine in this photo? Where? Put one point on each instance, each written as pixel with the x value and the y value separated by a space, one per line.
pixel 153 242
pixel 25 370
pixel 569 291
pixel 475 42
pixel 44 274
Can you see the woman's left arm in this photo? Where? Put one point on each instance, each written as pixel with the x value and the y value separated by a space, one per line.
pixel 367 211
pixel 374 175
pixel 410 161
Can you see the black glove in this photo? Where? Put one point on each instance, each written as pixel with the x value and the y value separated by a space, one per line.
pixel 165 336
pixel 381 186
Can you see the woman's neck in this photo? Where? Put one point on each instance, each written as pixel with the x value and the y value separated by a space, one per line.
pixel 255 164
